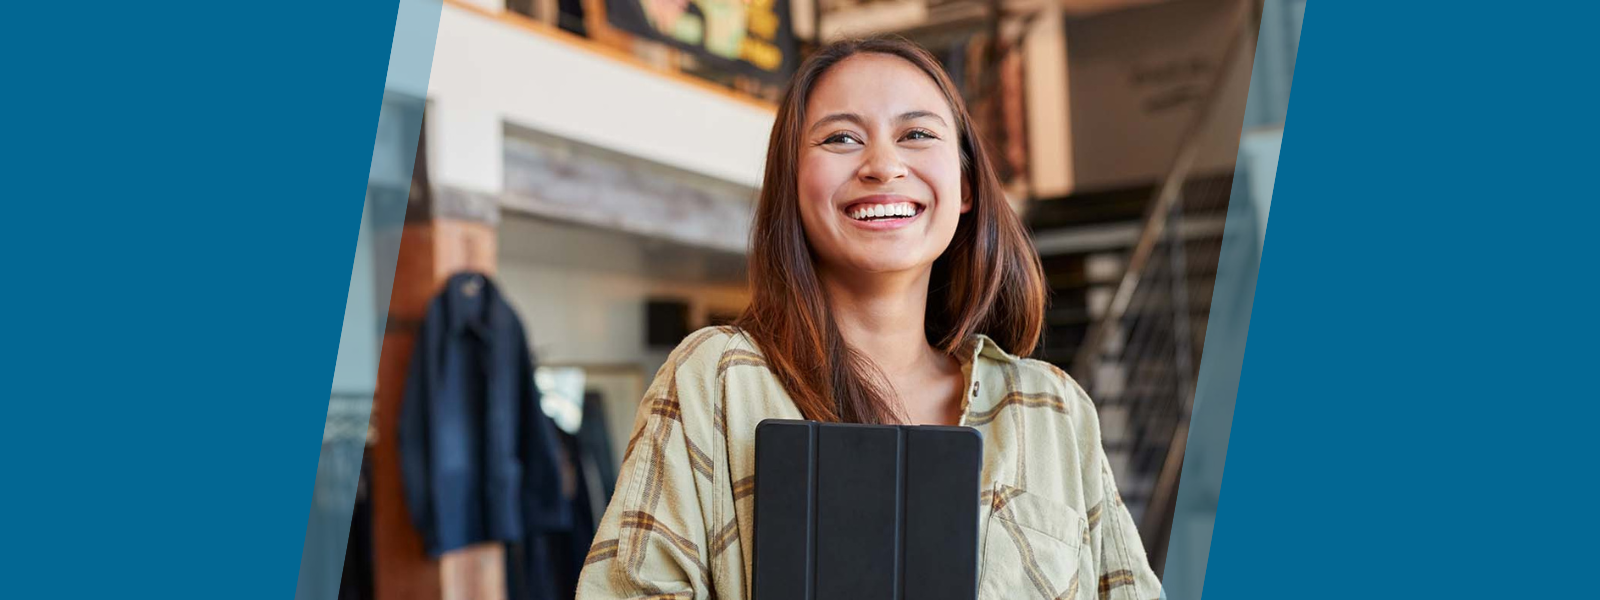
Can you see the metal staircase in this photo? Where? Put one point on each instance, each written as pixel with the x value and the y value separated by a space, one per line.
pixel 1132 273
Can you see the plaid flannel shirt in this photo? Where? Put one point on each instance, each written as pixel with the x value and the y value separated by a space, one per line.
pixel 1051 522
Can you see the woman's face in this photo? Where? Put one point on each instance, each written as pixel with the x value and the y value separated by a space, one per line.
pixel 880 168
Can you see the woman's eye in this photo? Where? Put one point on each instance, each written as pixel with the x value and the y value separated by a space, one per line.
pixel 918 134
pixel 841 138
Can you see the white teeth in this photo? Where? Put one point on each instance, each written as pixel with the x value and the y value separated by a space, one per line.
pixel 901 209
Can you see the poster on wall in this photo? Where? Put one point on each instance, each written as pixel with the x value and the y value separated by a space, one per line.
pixel 745 37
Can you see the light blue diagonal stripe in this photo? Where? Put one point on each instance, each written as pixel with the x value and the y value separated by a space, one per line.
pixel 1200 489
pixel 367 305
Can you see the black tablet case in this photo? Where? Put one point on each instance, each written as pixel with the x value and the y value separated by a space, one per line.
pixel 865 512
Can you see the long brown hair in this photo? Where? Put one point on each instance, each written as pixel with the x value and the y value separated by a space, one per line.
pixel 988 281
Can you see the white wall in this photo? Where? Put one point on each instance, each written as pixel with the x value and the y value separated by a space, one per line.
pixel 581 295
pixel 487 72
pixel 578 315
pixel 1137 78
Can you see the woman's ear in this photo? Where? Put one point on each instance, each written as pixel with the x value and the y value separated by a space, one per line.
pixel 966 196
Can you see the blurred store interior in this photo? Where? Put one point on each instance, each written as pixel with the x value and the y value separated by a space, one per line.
pixel 604 176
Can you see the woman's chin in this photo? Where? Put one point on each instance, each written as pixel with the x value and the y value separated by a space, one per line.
pixel 881 266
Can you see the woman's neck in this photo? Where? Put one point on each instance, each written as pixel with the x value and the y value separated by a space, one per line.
pixel 882 317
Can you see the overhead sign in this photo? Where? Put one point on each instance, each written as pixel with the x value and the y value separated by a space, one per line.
pixel 746 37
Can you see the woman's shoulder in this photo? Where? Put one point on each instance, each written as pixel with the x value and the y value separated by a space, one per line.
pixel 708 348
pixel 692 383
pixel 1058 405
pixel 1066 386
pixel 1031 375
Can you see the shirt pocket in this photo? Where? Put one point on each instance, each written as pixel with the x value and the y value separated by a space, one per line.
pixel 1033 547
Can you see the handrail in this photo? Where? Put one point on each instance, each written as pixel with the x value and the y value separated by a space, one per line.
pixel 1166 195
pixel 1164 207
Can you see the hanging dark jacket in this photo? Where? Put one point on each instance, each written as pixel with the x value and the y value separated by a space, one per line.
pixel 478 455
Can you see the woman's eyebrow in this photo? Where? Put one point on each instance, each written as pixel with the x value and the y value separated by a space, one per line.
pixel 858 121
pixel 837 117
pixel 922 114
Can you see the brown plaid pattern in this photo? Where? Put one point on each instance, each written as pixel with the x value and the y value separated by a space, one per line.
pixel 640 521
pixel 699 461
pixel 1035 572
pixel 1025 400
pixel 1012 377
pixel 997 504
pixel 725 537
pixel 666 411
pixel 632 441
pixel 667 407
pixel 602 550
pixel 1114 580
pixel 1030 562
pixel 678 525
pixel 719 420
pixel 738 358
pixel 1072 588
pixel 744 488
pixel 647 522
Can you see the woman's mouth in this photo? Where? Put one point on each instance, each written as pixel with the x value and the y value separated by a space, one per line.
pixel 882 212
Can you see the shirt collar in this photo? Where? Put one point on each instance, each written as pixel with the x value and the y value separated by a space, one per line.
pixel 984 346
pixel 469 304
pixel 973 397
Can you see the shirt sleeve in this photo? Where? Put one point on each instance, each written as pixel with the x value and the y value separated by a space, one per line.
pixel 1124 571
pixel 652 542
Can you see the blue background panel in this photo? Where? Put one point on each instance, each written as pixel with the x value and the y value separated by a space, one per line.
pixel 1416 410
pixel 183 184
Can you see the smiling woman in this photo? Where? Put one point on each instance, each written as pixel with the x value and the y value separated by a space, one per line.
pixel 881 145
pixel 859 313
pixel 891 283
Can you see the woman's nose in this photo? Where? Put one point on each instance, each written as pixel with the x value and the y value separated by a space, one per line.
pixel 881 164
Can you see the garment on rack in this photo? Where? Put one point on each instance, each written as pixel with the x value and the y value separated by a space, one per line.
pixel 548 565
pixel 356 580
pixel 478 455
pixel 531 572
pixel 594 442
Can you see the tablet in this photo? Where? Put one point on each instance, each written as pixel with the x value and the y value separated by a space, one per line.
pixel 866 512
